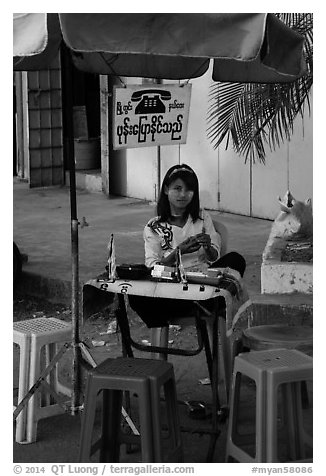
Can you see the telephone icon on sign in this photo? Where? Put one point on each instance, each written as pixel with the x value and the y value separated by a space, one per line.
pixel 150 101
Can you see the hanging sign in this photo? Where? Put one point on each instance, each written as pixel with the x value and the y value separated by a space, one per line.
pixel 150 115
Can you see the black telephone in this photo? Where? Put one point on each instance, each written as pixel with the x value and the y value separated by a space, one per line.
pixel 150 101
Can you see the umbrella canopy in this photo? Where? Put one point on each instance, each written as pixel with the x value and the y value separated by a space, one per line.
pixel 244 47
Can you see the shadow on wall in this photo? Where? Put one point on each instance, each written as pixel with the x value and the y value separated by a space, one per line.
pixel 118 172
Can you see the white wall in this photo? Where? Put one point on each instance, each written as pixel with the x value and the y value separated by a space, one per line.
pixel 301 158
pixel 198 152
pixel 269 181
pixel 289 167
pixel 234 183
pixel 247 189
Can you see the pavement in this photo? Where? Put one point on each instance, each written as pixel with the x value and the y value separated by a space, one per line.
pixel 41 229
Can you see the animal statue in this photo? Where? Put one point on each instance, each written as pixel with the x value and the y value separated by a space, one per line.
pixel 294 220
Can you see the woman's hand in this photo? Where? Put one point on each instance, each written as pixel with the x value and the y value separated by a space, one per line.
pixel 193 243
pixel 204 240
pixel 190 245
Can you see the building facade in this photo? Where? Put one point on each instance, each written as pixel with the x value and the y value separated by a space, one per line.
pixel 227 183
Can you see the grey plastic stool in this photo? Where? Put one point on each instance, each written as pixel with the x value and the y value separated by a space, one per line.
pixel 278 336
pixel 145 377
pixel 269 369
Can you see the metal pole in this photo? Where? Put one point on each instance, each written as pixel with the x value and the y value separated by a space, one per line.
pixel 75 398
pixel 75 403
pixel 158 158
pixel 74 283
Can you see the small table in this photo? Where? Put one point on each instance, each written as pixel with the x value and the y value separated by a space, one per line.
pixel 170 290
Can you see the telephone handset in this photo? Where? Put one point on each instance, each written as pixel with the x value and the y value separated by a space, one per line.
pixel 150 101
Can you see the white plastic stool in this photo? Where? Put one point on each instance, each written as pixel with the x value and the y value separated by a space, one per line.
pixel 32 335
pixel 269 369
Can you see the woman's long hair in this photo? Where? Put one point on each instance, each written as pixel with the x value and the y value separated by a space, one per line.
pixel 185 173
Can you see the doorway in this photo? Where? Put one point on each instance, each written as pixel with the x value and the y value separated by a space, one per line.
pixel 81 115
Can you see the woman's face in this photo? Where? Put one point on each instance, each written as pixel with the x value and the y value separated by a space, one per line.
pixel 179 195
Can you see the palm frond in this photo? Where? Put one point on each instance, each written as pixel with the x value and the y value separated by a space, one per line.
pixel 250 115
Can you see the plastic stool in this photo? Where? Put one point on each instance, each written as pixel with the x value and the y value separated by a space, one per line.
pixel 269 369
pixel 145 377
pixel 32 335
pixel 276 336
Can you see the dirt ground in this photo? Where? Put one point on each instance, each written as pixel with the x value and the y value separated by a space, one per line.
pixel 58 437
pixel 99 334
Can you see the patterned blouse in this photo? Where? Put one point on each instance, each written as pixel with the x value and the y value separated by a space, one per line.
pixel 161 239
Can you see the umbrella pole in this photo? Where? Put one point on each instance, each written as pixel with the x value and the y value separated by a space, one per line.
pixel 158 157
pixel 75 398
pixel 76 358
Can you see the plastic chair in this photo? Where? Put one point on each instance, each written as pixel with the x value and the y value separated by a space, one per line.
pixel 146 378
pixel 32 335
pixel 270 369
pixel 275 336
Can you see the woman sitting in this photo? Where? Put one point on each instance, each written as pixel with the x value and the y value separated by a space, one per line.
pixel 180 225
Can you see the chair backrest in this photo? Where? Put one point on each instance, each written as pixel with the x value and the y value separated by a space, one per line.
pixel 222 230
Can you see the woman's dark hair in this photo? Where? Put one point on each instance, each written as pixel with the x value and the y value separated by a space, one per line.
pixel 185 173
